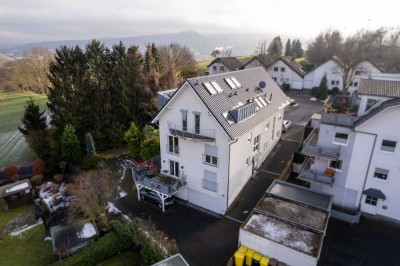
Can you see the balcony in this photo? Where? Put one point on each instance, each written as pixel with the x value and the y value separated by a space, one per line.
pixel 148 175
pixel 309 175
pixel 312 149
pixel 196 134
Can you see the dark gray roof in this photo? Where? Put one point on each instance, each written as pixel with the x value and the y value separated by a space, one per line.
pixel 291 63
pixel 232 63
pixel 379 88
pixel 373 112
pixel 300 194
pixel 376 193
pixel 175 260
pixel 221 103
pixel 248 61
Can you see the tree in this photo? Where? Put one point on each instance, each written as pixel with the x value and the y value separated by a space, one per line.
pixel 33 119
pixel 89 144
pixel 38 60
pixel 275 47
pixel 150 148
pixel 70 148
pixel 92 192
pixel 323 88
pixel 215 53
pixel 262 55
pixel 324 46
pixel 133 137
pixel 297 49
pixel 288 48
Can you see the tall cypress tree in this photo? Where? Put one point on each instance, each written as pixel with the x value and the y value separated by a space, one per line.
pixel 288 48
pixel 33 119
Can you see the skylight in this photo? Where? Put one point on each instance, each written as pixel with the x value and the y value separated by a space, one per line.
pixel 217 87
pixel 230 83
pixel 236 82
pixel 210 88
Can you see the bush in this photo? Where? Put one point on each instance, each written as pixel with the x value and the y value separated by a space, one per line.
pixel 134 138
pixel 115 135
pixel 39 167
pixel 93 162
pixel 58 178
pixel 11 173
pixel 286 86
pixel 150 148
pixel 36 180
pixel 335 91
pixel 107 246
pixel 314 91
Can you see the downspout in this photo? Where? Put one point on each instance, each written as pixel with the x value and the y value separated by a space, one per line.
pixel 369 164
pixel 229 166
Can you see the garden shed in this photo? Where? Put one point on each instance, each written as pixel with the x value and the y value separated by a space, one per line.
pixel 17 193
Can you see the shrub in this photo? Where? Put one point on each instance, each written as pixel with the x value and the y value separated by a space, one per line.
pixel 58 178
pixel 133 137
pixel 115 135
pixel 107 246
pixel 70 147
pixel 335 91
pixel 11 173
pixel 36 180
pixel 286 86
pixel 39 167
pixel 150 148
pixel 89 143
pixel 314 91
pixel 93 162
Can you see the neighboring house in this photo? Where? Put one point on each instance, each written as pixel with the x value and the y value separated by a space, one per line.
pixel 215 131
pixel 354 154
pixel 17 193
pixel 386 76
pixel 286 70
pixel 227 64
pixel 331 69
pixel 252 63
pixel 365 69
pixel 224 64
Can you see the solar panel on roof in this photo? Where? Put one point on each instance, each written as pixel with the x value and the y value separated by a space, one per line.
pixel 210 88
pixel 236 82
pixel 262 101
pixel 231 84
pixel 258 103
pixel 216 87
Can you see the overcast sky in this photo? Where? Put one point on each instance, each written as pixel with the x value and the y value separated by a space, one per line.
pixel 43 20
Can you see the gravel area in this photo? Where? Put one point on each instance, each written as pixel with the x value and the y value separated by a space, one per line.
pixel 294 212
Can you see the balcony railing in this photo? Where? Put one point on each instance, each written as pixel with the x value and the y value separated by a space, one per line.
pixel 314 177
pixel 148 175
pixel 172 149
pixel 198 134
pixel 319 151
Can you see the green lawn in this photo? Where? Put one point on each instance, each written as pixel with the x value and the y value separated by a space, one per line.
pixel 29 248
pixel 13 147
pixel 126 258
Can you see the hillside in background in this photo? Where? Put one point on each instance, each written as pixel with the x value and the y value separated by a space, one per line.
pixel 201 44
pixel 4 59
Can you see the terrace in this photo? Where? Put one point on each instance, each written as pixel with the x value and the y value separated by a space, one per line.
pixel 196 133
pixel 312 149
pixel 310 175
pixel 147 175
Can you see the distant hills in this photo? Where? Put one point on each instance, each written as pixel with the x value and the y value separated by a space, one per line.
pixel 3 59
pixel 201 44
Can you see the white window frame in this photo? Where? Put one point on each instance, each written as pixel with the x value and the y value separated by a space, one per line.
pixel 176 169
pixel 341 143
pixel 336 169
pixel 381 179
pixel 210 160
pixel 256 143
pixel 175 148
pixel 371 200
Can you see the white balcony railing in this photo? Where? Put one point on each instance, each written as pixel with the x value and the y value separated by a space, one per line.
pixel 193 133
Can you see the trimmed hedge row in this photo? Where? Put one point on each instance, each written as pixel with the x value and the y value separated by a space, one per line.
pixel 107 246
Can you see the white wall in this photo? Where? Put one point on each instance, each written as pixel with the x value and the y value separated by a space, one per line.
pixel 191 151
pixel 239 172
pixel 211 70
pixel 384 129
pixel 288 76
pixel 253 64
pixel 366 70
pixel 274 250
pixel 332 71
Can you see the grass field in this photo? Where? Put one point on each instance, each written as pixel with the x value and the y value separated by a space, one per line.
pixel 13 147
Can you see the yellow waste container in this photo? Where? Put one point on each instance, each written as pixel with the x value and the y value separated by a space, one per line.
pixel 242 249
pixel 239 258
pixel 256 259
pixel 249 256
pixel 264 261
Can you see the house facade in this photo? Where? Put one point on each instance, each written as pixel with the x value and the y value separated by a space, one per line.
pixel 287 71
pixel 331 68
pixel 354 154
pixel 216 130
pixel 364 70
pixel 252 63
pixel 223 64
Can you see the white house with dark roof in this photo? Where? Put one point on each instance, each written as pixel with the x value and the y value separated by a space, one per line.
pixel 215 131
pixel 364 70
pixel 224 64
pixel 354 154
pixel 252 63
pixel 286 70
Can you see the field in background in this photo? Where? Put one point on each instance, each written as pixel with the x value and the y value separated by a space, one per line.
pixel 13 147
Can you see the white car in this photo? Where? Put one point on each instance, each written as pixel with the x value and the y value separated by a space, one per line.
pixel 286 124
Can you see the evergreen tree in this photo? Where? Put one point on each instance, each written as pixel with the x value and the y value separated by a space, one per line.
pixel 134 138
pixel 70 148
pixel 33 119
pixel 288 48
pixel 323 88
pixel 275 47
pixel 297 49
pixel 89 143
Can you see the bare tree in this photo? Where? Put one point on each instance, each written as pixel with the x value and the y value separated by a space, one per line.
pixel 91 194
pixel 262 54
pixel 324 46
pixel 38 60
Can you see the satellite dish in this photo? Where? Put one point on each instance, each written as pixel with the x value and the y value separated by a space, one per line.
pixel 262 84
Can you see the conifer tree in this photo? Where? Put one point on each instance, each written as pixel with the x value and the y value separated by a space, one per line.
pixel 33 119
pixel 89 143
pixel 70 148
pixel 288 48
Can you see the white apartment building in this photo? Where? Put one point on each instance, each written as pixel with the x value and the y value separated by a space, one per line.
pixel 354 154
pixel 285 70
pixel 215 131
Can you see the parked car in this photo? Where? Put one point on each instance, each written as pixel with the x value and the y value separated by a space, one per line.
pixel 152 197
pixel 286 124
